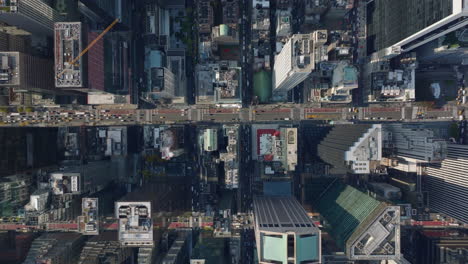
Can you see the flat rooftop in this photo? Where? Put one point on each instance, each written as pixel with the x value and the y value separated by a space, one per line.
pixel 68 45
pixel 281 214
pixel 9 68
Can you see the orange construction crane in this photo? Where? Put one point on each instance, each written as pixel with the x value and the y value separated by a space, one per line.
pixel 90 45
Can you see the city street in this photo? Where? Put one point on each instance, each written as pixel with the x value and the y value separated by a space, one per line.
pixel 265 113
pixel 234 132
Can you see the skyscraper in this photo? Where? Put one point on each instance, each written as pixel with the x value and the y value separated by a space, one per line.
pixel 284 233
pixel 365 228
pixel 447 185
pixel 31 15
pixel 161 83
pixel 297 60
pixel 26 73
pixel 414 143
pixel 402 25
pixel 440 246
pixel 104 247
pixel 14 39
pixel 352 148
pixel 55 248
pixel 68 44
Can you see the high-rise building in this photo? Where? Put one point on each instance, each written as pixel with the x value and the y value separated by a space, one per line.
pixel 161 83
pixel 104 248
pixel 227 34
pixel 447 49
pixel 447 185
pixel 34 16
pixel 26 73
pixel 284 233
pixel 413 143
pixel 231 156
pixel 135 224
pixel 68 45
pixel 180 250
pixel 403 25
pixel 205 16
pixel 297 60
pixel 145 255
pixel 88 222
pixel 219 83
pixel 344 80
pixel 352 148
pixel 55 248
pixel 276 147
pixel 283 23
pixel 14 39
pixel 105 11
pixel 440 246
pixel 365 228
pixel 14 192
pixel 38 200
pixel 210 139
pixel 15 246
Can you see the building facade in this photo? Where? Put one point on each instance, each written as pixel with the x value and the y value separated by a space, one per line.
pixel 55 248
pixel 403 25
pixel 68 45
pixel 447 185
pixel 414 143
pixel 440 246
pixel 26 73
pixel 226 34
pixel 161 83
pixel 296 60
pixel 365 228
pixel 210 139
pixel 14 39
pixel 230 157
pixel 352 148
pixel 104 248
pixel 284 233
pixel 34 16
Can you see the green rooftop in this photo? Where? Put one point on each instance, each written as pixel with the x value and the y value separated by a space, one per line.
pixel 345 208
pixel 262 85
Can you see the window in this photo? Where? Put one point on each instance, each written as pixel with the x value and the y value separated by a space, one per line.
pixel 291 246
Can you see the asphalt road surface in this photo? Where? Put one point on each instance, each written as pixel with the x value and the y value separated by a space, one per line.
pixel 95 117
